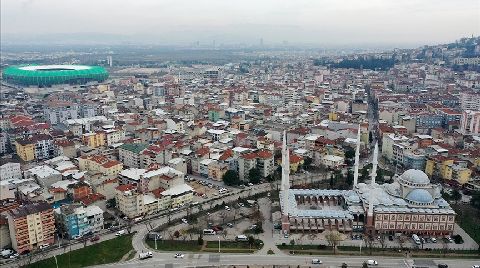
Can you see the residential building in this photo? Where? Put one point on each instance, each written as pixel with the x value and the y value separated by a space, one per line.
pixel 60 111
pixel 100 163
pixel 94 139
pixel 470 122
pixel 10 171
pixel 31 226
pixel 94 218
pixel 470 101
pixel 129 154
pixel 72 221
pixel 37 147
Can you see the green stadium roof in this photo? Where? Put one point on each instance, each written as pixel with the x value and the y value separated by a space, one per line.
pixel 47 75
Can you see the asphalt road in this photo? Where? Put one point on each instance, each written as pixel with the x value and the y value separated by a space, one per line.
pixel 193 260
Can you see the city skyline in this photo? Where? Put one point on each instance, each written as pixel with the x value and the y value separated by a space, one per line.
pixel 322 23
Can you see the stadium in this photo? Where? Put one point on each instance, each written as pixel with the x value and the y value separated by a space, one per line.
pixel 48 75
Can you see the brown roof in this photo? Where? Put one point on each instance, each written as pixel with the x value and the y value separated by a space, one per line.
pixel 28 209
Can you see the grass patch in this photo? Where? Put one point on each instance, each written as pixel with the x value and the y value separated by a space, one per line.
pixel 175 245
pixel 230 250
pixel 131 255
pixel 108 251
pixel 234 245
pixel 469 219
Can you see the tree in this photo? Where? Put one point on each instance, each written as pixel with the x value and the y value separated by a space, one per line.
pixel 350 178
pixel 292 242
pixel 364 174
pixel 365 264
pixel 332 180
pixel 456 195
pixel 231 178
pixel 254 175
pixel 383 240
pixel 200 240
pixel 475 201
pixel 349 155
pixel 307 162
pixel 251 241
pixel 380 176
pixel 333 238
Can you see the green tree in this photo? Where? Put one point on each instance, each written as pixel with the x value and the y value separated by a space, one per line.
pixel 307 162
pixel 254 175
pixel 475 201
pixel 332 180
pixel 231 178
pixel 251 241
pixel 350 155
pixel 380 176
pixel 350 177
pixel 200 240
pixel 456 195
pixel 364 174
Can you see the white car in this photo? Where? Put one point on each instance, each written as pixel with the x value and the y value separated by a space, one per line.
pixel 372 262
pixel 179 256
pixel 227 208
pixel 14 256
pixel 433 239
pixel 44 246
pixel 250 184
pixel 184 221
pixel 316 261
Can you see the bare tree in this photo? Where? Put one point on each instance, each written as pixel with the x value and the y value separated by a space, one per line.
pixel 333 238
pixel 401 240
pixel 383 240
pixel 369 241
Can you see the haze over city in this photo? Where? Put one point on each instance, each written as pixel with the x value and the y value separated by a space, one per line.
pixel 240 134
pixel 313 22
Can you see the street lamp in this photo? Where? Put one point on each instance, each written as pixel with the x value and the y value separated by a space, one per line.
pixel 55 257
pixel 218 244
pixel 155 241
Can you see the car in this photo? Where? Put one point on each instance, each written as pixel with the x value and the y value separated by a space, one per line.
pixel 442 265
pixel 241 205
pixel 285 236
pixel 227 208
pixel 476 266
pixel 390 237
pixel 145 255
pixel 268 195
pixel 184 221
pixel 372 262
pixel 433 239
pixel 14 256
pixel 316 261
pixel 253 226
pixel 250 184
pixel 43 246
pixel 95 238
pixel 179 256
pixel 230 225
pixel 119 233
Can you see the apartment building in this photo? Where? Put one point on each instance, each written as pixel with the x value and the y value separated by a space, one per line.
pixel 31 226
pixel 10 171
pixel 94 139
pixel 36 147
pixel 100 164
pixel 470 101
pixel 71 221
pixel 130 154
pixel 59 111
pixel 470 122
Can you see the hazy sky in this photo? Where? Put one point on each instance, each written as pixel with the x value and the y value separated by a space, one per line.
pixel 228 21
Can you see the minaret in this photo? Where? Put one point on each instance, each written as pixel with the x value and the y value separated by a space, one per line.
pixel 374 163
pixel 372 187
pixel 285 186
pixel 357 159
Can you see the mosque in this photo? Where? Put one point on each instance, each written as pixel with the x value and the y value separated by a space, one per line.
pixel 409 205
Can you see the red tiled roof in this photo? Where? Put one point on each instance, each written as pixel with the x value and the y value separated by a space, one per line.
pixel 158 192
pixel 227 154
pixel 264 154
pixel 125 187
pixel 249 156
pixel 91 198
pixel 295 158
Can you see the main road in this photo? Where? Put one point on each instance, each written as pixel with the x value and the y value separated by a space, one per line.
pixel 161 260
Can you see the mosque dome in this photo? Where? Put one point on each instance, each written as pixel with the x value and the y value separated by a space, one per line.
pixel 419 196
pixel 415 176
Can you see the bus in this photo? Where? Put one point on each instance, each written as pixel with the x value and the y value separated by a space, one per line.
pixel 209 232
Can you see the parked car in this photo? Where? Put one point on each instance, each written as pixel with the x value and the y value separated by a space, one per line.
pixel 14 256
pixel 316 261
pixel 229 225
pixel 119 233
pixel 433 239
pixel 184 221
pixel 372 262
pixel 442 265
pixel 43 246
pixel 179 256
pixel 95 238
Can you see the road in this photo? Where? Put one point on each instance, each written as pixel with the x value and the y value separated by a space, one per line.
pixel 193 260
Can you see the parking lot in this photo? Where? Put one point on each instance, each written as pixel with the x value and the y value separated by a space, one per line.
pixel 205 188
